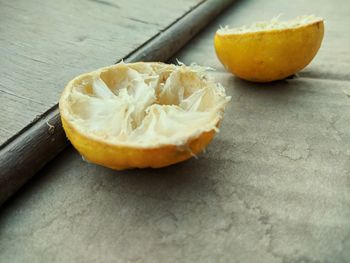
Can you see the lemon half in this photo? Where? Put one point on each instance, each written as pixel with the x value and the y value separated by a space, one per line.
pixel 269 51
pixel 141 114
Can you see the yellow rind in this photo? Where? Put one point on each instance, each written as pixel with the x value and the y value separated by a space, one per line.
pixel 269 55
pixel 121 157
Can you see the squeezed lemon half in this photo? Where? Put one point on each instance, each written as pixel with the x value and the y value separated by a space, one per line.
pixel 269 51
pixel 141 114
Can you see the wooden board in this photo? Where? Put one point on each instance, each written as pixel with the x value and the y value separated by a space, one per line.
pixel 43 44
pixel 272 187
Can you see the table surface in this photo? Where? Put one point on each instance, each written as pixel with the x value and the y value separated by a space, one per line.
pixel 273 186
pixel 44 44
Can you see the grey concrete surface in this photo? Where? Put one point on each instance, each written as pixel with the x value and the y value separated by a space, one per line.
pixel 273 186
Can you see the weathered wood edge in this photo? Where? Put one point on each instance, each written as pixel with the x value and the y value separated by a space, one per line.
pixel 38 143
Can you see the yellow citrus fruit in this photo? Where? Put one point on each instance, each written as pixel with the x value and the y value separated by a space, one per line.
pixel 141 114
pixel 269 51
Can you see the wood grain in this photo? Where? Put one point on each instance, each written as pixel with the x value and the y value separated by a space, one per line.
pixel 22 156
pixel 43 44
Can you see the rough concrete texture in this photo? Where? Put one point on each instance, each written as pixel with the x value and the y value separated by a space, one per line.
pixel 272 187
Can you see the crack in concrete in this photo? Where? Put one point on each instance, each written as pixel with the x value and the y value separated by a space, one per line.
pixel 332 127
pixel 295 154
pixel 263 219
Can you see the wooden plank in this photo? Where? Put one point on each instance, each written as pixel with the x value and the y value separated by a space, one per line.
pixel 21 109
pixel 43 44
pixel 272 187
pixel 42 140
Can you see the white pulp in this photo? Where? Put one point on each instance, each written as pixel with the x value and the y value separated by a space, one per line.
pixel 145 104
pixel 274 24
